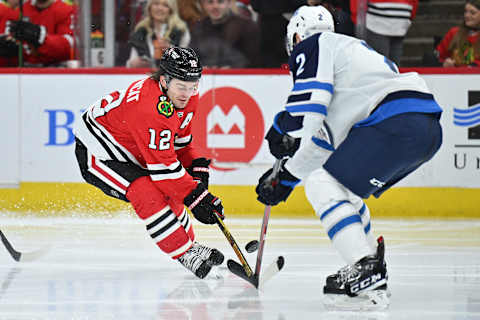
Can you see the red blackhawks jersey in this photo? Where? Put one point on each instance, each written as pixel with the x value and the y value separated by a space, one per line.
pixel 140 125
pixel 58 46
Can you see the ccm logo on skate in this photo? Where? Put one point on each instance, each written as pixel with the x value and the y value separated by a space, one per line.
pixel 366 283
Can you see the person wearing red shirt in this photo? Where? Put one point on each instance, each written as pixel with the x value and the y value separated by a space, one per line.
pixel 46 32
pixel 461 45
pixel 136 145
pixel 8 47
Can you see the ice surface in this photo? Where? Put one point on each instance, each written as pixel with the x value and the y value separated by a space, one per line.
pixel 109 268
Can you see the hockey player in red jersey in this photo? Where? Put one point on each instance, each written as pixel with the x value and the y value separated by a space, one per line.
pixel 46 32
pixel 136 145
pixel 8 47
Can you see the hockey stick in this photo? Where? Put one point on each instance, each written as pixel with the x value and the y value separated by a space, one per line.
pixel 247 271
pixel 20 47
pixel 21 256
pixel 277 265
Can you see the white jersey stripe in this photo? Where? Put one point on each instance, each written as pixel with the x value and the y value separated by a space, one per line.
pixel 166 176
pixel 157 215
pixel 161 166
pixel 182 249
pixel 163 223
pixel 168 232
pixel 102 177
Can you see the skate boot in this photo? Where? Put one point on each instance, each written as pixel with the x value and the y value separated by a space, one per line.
pixel 213 256
pixel 362 285
pixel 199 259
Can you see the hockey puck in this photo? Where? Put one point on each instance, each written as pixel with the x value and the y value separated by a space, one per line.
pixel 252 246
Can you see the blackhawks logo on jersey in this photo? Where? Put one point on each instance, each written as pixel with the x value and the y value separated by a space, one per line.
pixel 165 107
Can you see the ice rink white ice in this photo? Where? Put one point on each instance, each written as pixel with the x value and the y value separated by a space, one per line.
pixel 109 268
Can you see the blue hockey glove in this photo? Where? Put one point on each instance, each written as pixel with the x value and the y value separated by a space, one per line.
pixel 272 191
pixel 281 145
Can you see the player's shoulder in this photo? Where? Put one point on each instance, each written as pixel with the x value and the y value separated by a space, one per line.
pixel 62 6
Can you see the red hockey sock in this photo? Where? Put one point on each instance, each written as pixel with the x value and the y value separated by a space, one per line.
pixel 172 231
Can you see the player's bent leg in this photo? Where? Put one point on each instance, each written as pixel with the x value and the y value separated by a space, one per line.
pixel 167 230
pixel 339 212
pixel 364 212
pixel 332 203
pixel 171 228
pixel 161 221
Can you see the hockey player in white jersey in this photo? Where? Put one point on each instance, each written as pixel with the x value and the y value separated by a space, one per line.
pixel 358 126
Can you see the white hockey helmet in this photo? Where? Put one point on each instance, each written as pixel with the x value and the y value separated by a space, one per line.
pixel 307 21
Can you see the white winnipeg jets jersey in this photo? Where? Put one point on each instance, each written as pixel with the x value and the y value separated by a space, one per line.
pixel 343 79
pixel 340 80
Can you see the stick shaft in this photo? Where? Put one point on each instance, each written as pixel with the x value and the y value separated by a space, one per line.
pixel 20 46
pixel 235 247
pixel 266 217
pixel 263 232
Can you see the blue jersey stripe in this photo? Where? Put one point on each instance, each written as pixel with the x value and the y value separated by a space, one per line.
pixel 288 183
pixel 324 214
pixel 362 209
pixel 367 228
pixel 309 107
pixel 342 224
pixel 323 144
pixel 300 86
pixel 399 106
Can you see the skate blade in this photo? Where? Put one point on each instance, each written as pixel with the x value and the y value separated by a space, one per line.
pixel 375 300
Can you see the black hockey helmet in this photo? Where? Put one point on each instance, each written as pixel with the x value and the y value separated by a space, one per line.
pixel 180 63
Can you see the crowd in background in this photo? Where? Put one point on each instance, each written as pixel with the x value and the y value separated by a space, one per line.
pixel 225 33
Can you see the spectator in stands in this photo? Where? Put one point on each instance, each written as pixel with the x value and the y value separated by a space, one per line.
pixel 387 23
pixel 46 34
pixel 8 47
pixel 190 11
pixel 225 40
pixel 273 17
pixel 461 45
pixel 343 21
pixel 161 28
pixel 10 3
pixel 243 8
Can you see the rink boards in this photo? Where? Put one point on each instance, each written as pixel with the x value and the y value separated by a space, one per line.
pixel 40 174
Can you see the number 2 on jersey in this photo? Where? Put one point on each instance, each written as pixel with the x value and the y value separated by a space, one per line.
pixel 163 141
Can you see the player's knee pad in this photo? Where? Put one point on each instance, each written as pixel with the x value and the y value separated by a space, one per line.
pixel 171 231
pixel 145 198
pixel 323 190
pixel 331 201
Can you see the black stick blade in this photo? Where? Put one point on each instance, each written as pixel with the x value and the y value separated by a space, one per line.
pixel 238 270
pixel 14 253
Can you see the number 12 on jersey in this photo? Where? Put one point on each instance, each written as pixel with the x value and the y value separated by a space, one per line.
pixel 163 140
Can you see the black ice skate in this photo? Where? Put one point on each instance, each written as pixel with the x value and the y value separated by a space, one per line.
pixel 199 259
pixel 361 285
pixel 211 255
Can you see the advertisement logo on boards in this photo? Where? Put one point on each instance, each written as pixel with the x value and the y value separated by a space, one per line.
pixel 468 118
pixel 229 125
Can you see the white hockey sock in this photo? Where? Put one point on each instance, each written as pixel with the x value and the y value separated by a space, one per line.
pixel 344 227
pixel 365 215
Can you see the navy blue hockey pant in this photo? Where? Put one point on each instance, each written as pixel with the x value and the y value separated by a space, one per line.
pixel 373 158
